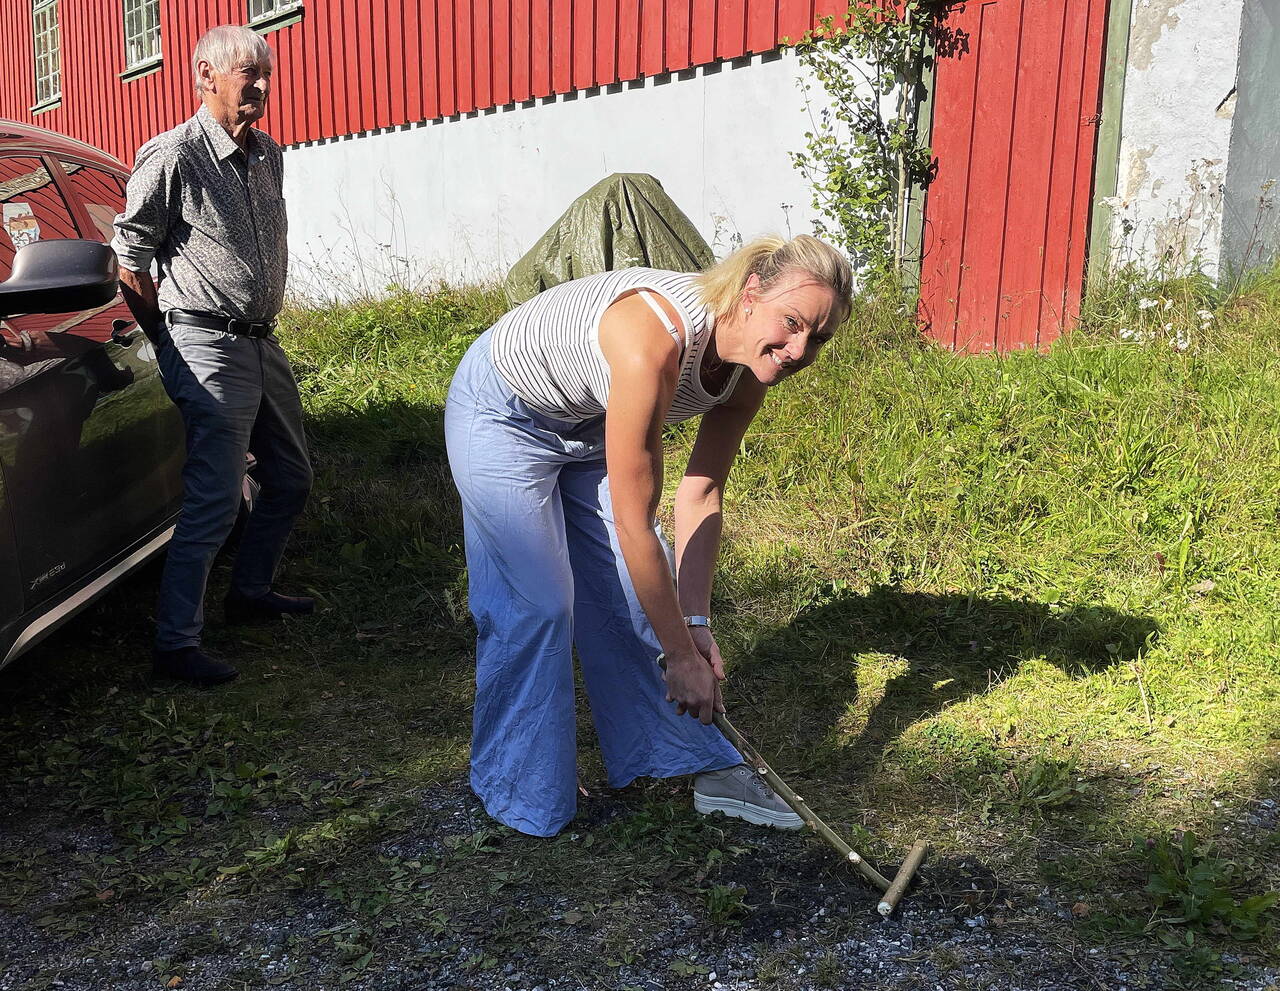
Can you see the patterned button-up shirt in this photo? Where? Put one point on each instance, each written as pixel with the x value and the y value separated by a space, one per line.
pixel 212 217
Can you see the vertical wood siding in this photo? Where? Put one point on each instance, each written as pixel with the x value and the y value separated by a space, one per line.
pixel 1014 133
pixel 396 62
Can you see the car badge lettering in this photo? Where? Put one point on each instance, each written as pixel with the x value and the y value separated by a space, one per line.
pixel 53 572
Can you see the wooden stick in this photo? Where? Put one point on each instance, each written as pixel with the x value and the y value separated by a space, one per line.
pixel 903 878
pixel 801 809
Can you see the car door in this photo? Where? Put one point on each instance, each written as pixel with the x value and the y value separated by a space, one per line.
pixel 90 447
pixel 148 445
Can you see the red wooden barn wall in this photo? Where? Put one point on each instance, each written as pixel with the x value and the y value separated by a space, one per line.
pixel 354 65
pixel 1015 134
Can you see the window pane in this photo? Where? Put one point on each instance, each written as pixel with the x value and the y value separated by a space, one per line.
pixel 141 30
pixel 101 194
pixel 44 24
pixel 263 8
pixel 31 208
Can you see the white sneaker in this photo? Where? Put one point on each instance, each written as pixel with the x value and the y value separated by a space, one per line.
pixel 739 791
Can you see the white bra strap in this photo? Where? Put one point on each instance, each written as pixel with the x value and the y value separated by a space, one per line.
pixel 662 314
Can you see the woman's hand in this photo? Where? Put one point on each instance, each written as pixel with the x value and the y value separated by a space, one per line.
pixel 707 647
pixel 692 686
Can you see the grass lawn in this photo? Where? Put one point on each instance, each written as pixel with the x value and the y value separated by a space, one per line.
pixel 1022 606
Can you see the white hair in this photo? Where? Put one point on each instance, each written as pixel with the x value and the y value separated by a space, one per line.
pixel 225 46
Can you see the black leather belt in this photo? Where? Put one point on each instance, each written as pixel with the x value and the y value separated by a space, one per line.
pixel 207 321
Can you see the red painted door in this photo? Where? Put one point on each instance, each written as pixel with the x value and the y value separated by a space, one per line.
pixel 1015 121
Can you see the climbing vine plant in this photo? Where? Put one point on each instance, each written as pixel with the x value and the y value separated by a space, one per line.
pixel 863 151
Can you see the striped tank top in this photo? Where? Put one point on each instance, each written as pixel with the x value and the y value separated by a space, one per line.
pixel 548 348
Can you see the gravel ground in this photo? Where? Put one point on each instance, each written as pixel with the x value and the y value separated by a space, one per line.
pixel 926 948
pixel 808 927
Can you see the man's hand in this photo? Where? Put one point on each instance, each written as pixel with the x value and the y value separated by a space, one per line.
pixel 692 686
pixel 139 291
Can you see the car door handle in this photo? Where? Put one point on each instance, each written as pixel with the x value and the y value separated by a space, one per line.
pixel 118 334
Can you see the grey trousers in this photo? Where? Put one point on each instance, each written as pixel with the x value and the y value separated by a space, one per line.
pixel 236 394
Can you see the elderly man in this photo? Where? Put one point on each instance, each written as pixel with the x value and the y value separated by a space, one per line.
pixel 205 203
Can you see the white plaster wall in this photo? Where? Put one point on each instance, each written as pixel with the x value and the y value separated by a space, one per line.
pixel 1251 209
pixel 1176 131
pixel 462 199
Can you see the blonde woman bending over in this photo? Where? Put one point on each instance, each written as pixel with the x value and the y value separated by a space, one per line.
pixel 554 428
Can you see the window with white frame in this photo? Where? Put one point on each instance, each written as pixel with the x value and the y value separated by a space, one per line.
pixel 141 32
pixel 44 28
pixel 261 10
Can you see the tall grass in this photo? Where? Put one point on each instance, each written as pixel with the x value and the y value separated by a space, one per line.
pixel 1112 471
pixel 1131 469
pixel 382 531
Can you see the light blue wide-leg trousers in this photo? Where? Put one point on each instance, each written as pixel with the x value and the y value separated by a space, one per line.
pixel 546 575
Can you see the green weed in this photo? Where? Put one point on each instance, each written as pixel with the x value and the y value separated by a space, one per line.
pixel 1193 888
pixel 1041 784
pixel 830 972
pixel 688 968
pixel 724 903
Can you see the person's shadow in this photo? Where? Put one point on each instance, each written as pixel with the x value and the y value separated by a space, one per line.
pixel 917 653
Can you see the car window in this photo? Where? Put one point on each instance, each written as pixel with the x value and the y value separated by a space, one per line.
pixel 31 208
pixel 101 193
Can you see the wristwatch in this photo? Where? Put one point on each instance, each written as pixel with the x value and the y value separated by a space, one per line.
pixel 698 621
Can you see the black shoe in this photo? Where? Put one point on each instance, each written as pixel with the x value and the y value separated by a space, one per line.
pixel 191 664
pixel 268 608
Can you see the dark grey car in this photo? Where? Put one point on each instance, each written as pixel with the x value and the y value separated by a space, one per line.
pixel 91 449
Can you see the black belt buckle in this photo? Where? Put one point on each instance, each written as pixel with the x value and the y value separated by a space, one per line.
pixel 229 325
pixel 246 328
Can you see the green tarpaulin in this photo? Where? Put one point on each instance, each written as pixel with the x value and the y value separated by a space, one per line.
pixel 624 221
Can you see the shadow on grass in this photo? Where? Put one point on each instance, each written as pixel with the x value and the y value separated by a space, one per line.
pixel 379 542
pixel 932 650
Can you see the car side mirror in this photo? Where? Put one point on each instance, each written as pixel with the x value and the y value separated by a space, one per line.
pixel 60 276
